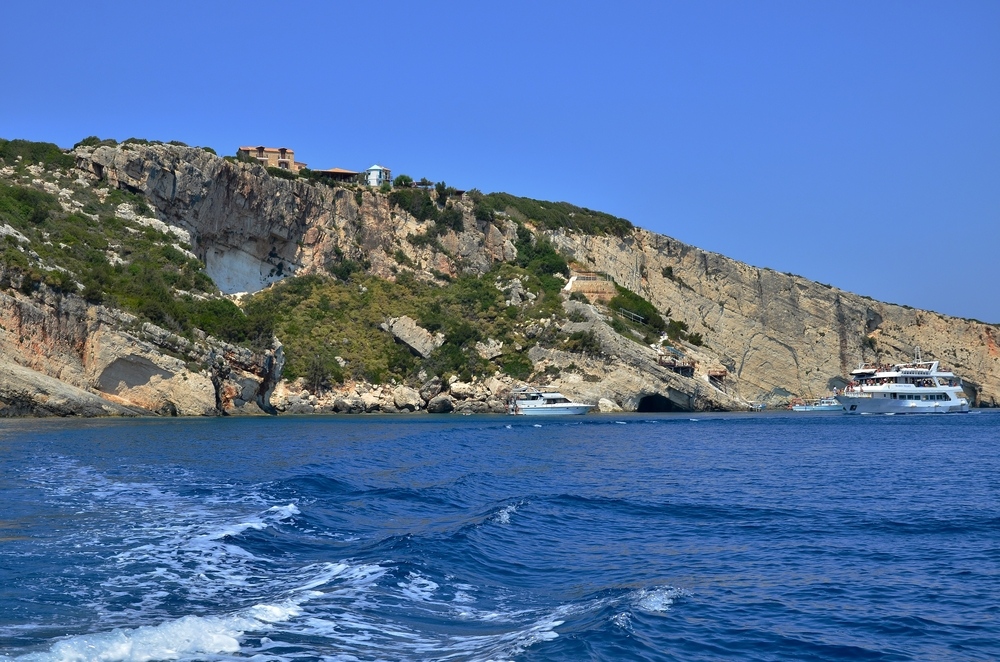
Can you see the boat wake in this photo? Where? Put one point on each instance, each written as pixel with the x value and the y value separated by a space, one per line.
pixel 192 578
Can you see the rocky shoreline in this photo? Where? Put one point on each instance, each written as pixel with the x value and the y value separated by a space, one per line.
pixel 435 396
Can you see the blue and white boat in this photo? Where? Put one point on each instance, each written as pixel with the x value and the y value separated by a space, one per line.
pixel 531 401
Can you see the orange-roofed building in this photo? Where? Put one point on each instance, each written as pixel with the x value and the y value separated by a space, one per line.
pixel 273 157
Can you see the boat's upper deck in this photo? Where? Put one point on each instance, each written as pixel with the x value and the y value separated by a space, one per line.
pixel 914 369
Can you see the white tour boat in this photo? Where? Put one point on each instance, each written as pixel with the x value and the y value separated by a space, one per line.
pixel 531 401
pixel 828 403
pixel 918 387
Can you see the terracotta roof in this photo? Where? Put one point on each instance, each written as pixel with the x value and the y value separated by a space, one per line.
pixel 338 171
pixel 266 149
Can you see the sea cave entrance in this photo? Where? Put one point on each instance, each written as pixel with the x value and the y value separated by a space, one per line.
pixel 656 403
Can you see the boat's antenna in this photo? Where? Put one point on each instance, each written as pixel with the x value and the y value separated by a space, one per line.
pixel 916 354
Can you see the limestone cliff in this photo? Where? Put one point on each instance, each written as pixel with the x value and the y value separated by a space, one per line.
pixel 108 363
pixel 777 335
pixel 252 229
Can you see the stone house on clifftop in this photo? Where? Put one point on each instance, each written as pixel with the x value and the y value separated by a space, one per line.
pixel 273 157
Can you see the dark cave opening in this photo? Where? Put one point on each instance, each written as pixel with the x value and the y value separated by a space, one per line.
pixel 656 403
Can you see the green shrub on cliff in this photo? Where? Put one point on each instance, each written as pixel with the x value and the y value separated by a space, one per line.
pixel 283 173
pixel 634 303
pixel 94 141
pixel 551 215
pixel 417 202
pixel 539 256
pixel 30 152
pixel 319 318
pixel 450 219
pixel 21 205
pixel 148 275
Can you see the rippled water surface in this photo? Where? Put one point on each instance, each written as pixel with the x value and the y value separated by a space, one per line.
pixel 638 537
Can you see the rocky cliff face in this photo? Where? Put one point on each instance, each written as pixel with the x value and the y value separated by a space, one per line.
pixel 776 335
pixel 63 356
pixel 252 229
pixel 780 335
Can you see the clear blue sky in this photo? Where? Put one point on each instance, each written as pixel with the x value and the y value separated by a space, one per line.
pixel 854 143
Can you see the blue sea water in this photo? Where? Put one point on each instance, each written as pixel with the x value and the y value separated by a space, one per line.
pixel 629 537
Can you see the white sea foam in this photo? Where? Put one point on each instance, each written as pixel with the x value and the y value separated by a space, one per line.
pixel 623 620
pixel 418 587
pixel 502 516
pixel 185 638
pixel 658 599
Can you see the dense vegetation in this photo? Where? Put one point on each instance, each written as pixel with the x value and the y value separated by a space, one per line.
pixel 549 215
pixel 635 304
pixel 421 206
pixel 321 318
pixel 33 153
pixel 653 325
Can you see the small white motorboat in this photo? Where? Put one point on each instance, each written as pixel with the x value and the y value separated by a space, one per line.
pixel 531 401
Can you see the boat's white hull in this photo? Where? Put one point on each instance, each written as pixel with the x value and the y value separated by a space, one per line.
pixel 865 405
pixel 551 410
pixel 836 407
pixel 917 387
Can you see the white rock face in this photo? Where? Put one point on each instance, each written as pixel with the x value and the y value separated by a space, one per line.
pixel 462 390
pixel 8 231
pixel 370 401
pixel 236 271
pixel 489 349
pixel 408 332
pixel 606 406
pixel 407 398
